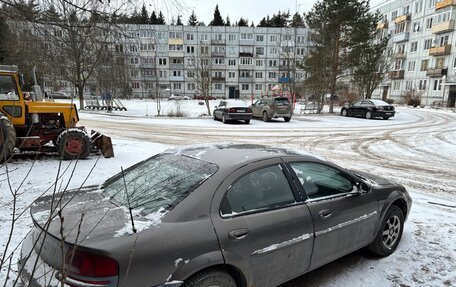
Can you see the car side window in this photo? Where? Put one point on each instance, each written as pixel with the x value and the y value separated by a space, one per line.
pixel 263 189
pixel 357 103
pixel 222 104
pixel 319 180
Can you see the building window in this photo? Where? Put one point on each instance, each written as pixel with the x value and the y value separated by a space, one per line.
pixel 245 61
pixel 204 37
pixel 218 86
pixel 231 74
pixel 416 26
pixel 173 47
pixel 219 61
pixel 177 86
pixel 232 62
pixel 429 23
pixel 163 74
pixel 273 50
pixel 427 44
pixel 190 37
pixel 244 74
pixel 273 38
pixel 437 85
pixel 135 85
pixel 177 73
pixel 231 37
pixel 246 36
pixel 162 61
pixel 411 66
pixel 204 50
pixel 396 85
pixel 245 87
pixel 134 61
pixel 422 85
pixel 175 35
pixel 393 15
pixel 259 50
pixel 408 85
pixel 424 65
pixel 191 86
pixel 454 62
pixel 258 87
pixel 272 75
pixel 259 63
pixel 258 75
pixel 272 63
pixel 190 49
pixel 259 38
pixel 418 6
pixel 300 51
pixel 413 47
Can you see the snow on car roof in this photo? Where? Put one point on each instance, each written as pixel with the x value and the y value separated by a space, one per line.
pixel 236 104
pixel 379 102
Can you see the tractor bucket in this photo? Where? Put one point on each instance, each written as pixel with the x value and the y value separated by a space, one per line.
pixel 102 143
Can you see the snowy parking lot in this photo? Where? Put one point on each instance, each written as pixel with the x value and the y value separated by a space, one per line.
pixel 416 148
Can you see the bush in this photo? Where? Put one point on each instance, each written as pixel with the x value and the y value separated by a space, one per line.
pixel 389 101
pixel 412 98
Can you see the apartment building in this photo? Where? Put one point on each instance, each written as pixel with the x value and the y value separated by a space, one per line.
pixel 423 49
pixel 242 61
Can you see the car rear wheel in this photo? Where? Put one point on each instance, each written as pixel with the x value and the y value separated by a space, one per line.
pixel 247 122
pixel 287 119
pixel 344 112
pixel 385 118
pixel 265 117
pixel 224 120
pixel 368 115
pixel 210 278
pixel 389 233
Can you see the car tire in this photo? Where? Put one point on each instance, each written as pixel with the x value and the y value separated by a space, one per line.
pixel 368 115
pixel 385 118
pixel 210 278
pixel 389 234
pixel 247 122
pixel 265 117
pixel 344 112
pixel 224 120
pixel 287 119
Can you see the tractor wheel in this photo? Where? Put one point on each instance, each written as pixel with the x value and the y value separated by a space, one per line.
pixel 74 144
pixel 7 138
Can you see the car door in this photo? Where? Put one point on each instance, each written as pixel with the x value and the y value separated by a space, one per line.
pixel 344 211
pixel 218 112
pixel 355 110
pixel 256 110
pixel 263 227
pixel 11 101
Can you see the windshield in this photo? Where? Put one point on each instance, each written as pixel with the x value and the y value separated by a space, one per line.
pixel 158 183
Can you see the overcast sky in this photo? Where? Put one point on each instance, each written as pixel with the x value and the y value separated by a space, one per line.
pixel 251 9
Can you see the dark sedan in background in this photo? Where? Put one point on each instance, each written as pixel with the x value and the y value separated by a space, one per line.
pixel 369 109
pixel 232 110
pixel 222 215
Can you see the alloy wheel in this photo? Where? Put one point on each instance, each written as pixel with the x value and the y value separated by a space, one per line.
pixel 391 232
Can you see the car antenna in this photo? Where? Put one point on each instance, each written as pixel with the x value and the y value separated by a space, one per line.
pixel 128 201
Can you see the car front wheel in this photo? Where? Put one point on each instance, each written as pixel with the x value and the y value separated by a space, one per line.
pixel 368 115
pixel 210 278
pixel 344 112
pixel 287 119
pixel 389 233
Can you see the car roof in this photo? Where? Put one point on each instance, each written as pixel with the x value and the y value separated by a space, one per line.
pixel 379 102
pixel 229 154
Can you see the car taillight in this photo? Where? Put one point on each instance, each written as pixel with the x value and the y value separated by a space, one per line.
pixel 92 266
pixel 248 110
pixel 232 110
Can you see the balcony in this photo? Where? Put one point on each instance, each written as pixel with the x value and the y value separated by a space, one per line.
pixel 218 42
pixel 444 27
pixel 148 65
pixel 218 54
pixel 176 54
pixel 400 55
pixel 218 79
pixel 176 78
pixel 402 18
pixel 444 3
pixel 440 51
pixel 381 26
pixel 245 54
pixel 396 75
pixel 402 37
pixel 438 72
pixel 176 66
pixel 248 42
pixel 284 80
pixel 245 79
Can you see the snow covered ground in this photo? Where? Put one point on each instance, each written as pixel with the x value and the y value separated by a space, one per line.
pixel 416 148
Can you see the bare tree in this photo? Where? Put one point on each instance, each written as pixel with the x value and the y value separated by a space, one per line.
pixel 200 69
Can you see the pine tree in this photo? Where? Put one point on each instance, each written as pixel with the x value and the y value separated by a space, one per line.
pixel 297 21
pixel 144 18
pixel 242 23
pixel 192 20
pixel 179 20
pixel 153 18
pixel 252 25
pixel 227 21
pixel 263 23
pixel 161 19
pixel 333 23
pixel 218 20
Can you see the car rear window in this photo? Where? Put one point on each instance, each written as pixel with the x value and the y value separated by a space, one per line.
pixel 158 183
pixel 281 101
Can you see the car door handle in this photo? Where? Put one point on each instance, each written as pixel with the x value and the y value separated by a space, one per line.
pixel 238 233
pixel 325 213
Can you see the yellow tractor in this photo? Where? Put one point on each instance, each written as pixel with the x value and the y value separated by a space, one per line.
pixel 30 124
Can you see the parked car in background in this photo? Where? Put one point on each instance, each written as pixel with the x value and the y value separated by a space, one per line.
pixel 211 216
pixel 268 108
pixel 232 110
pixel 201 97
pixel 178 97
pixel 369 109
